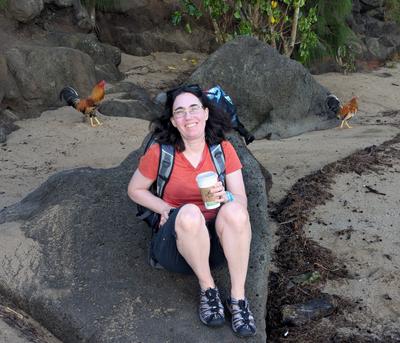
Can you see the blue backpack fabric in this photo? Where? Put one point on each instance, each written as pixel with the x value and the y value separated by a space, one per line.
pixel 224 102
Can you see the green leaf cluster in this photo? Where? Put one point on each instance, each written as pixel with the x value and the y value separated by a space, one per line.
pixel 3 4
pixel 274 22
pixel 334 36
pixel 392 10
pixel 304 29
pixel 308 37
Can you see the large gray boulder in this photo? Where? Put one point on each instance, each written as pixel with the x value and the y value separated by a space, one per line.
pixel 129 100
pixel 74 256
pixel 142 27
pixel 276 96
pixel 24 10
pixel 41 72
pixel 8 87
pixel 31 78
pixel 377 32
pixel 106 57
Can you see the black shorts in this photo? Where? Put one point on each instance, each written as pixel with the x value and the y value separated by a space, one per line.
pixel 164 251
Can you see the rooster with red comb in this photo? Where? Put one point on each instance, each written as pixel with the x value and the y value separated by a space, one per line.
pixel 88 105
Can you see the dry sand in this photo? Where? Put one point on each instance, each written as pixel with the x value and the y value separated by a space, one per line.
pixel 59 140
pixel 371 248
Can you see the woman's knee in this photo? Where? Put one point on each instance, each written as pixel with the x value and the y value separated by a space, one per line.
pixel 189 219
pixel 234 216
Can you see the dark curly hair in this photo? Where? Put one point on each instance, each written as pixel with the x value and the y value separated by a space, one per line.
pixel 217 125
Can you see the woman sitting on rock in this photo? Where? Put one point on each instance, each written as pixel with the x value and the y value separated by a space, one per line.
pixel 191 238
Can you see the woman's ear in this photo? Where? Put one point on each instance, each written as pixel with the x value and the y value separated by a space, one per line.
pixel 206 112
pixel 172 119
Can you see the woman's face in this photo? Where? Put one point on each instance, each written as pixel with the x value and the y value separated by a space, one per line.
pixel 189 116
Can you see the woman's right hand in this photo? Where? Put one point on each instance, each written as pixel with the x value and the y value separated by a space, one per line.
pixel 164 215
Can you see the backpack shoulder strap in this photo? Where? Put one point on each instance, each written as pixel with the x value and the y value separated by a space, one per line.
pixel 165 165
pixel 218 158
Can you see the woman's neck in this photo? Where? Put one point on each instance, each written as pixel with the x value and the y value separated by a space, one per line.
pixel 194 146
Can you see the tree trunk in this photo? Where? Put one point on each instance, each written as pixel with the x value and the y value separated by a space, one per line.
pixel 218 34
pixel 293 35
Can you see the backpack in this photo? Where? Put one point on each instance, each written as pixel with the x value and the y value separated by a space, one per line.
pixel 225 103
pixel 167 155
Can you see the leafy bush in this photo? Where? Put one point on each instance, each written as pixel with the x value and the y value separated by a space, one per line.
pixel 332 30
pixel 304 29
pixel 281 24
pixel 3 4
pixel 392 10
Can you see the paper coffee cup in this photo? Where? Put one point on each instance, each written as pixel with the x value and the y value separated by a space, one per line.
pixel 206 181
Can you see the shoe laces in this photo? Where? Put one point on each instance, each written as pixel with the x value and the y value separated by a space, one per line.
pixel 244 311
pixel 242 316
pixel 212 299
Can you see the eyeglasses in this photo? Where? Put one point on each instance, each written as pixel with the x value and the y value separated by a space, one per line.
pixel 192 110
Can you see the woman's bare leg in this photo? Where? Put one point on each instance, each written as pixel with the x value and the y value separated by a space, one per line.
pixel 234 232
pixel 193 243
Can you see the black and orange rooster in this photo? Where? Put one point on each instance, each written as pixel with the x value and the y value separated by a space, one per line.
pixel 88 105
pixel 348 111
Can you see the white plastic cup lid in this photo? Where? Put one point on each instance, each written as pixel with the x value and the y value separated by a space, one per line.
pixel 206 179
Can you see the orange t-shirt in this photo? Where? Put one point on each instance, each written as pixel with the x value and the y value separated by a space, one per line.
pixel 182 188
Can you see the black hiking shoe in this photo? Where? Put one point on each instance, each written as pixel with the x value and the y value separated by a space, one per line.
pixel 211 310
pixel 243 324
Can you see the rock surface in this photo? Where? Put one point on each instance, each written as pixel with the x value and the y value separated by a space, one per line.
pixel 41 72
pixel 59 140
pixel 276 96
pixel 3 136
pixel 143 27
pixel 300 314
pixel 25 10
pixel 35 65
pixel 129 100
pixel 378 34
pixel 105 57
pixel 75 256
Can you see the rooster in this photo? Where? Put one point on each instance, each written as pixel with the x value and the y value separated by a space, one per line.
pixel 348 111
pixel 88 105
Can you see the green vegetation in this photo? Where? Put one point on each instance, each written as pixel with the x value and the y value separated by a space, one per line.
pixel 334 36
pixel 392 10
pixel 3 4
pixel 304 29
pixel 278 23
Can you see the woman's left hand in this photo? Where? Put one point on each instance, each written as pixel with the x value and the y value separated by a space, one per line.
pixel 219 192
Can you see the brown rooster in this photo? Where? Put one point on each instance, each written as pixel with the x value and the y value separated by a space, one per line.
pixel 348 111
pixel 88 105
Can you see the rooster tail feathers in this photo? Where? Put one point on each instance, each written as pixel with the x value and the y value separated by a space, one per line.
pixel 333 103
pixel 69 95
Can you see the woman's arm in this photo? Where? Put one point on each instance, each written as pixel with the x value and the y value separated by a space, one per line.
pixel 235 185
pixel 138 191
